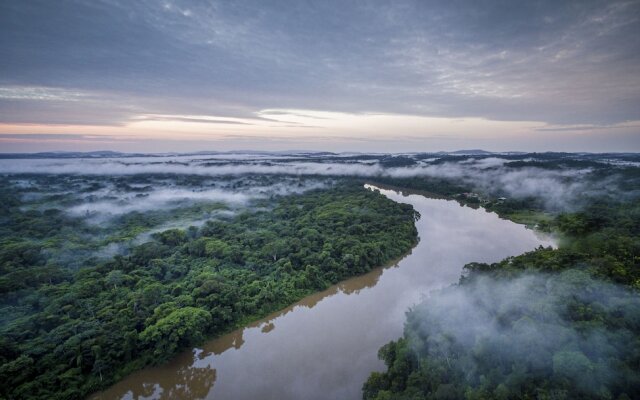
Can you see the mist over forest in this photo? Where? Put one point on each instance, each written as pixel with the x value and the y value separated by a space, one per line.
pixel 114 262
pixel 311 200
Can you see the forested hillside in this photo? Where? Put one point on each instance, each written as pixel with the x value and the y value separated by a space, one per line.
pixel 69 331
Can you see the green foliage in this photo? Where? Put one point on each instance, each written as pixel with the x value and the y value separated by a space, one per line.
pixel 68 332
pixel 604 240
pixel 178 329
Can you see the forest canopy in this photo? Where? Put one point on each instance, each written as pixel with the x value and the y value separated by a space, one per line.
pixel 68 331
pixel 113 262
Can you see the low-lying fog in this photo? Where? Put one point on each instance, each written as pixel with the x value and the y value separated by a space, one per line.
pixel 123 200
pixel 557 181
pixel 117 212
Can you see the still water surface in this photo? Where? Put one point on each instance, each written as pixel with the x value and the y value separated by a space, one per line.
pixel 325 346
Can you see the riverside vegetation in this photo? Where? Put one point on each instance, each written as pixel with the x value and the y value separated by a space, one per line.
pixel 549 324
pixel 67 332
pixel 103 274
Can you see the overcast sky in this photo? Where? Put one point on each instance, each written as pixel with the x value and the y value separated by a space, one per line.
pixel 322 75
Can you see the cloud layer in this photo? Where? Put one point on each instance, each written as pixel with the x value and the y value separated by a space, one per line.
pixel 109 63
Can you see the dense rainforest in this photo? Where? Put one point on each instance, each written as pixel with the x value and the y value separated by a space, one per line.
pixel 67 332
pixel 549 324
pixel 111 263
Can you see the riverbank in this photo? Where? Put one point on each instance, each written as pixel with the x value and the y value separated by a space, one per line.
pixel 574 304
pixel 326 345
pixel 326 240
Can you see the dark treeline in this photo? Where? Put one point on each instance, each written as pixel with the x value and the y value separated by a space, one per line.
pixel 549 324
pixel 68 332
pixel 438 186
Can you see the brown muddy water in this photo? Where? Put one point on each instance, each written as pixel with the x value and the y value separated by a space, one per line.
pixel 325 346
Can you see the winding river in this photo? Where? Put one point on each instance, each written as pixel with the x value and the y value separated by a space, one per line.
pixel 325 346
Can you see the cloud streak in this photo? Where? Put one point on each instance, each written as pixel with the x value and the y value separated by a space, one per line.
pixel 572 63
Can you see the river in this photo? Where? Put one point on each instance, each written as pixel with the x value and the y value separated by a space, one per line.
pixel 325 346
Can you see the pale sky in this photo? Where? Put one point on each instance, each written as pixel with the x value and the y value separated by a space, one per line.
pixel 378 76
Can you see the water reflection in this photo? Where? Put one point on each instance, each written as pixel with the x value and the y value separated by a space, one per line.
pixel 186 382
pixel 326 345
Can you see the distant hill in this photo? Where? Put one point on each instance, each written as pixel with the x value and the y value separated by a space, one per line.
pixel 393 158
pixel 474 152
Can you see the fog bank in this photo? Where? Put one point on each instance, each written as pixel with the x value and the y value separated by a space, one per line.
pixel 567 326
